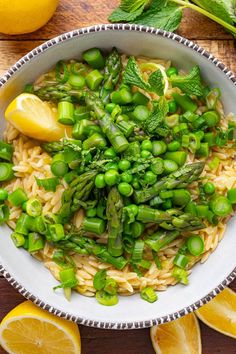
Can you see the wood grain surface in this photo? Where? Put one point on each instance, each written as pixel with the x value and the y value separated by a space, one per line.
pixel 73 14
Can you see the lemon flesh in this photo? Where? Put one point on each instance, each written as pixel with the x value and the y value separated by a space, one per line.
pixel 220 313
pixel 179 336
pixel 24 16
pixel 28 329
pixel 35 118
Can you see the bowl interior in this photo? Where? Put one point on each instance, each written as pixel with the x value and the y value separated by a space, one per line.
pixel 31 274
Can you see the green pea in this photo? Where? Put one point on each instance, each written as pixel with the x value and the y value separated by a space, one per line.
pixel 146 145
pixel 100 181
pixel 111 177
pixel 125 189
pixel 111 166
pixel 145 154
pixel 124 165
pixel 110 153
pixel 150 177
pixel 209 188
pixel 126 177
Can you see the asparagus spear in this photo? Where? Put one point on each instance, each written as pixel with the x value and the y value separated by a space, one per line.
pixel 115 225
pixel 147 214
pixel 72 246
pixel 111 74
pixel 113 133
pixel 179 179
pixel 161 239
pixel 82 193
pixel 172 219
pixel 78 190
pixel 53 147
pixel 58 92
pixel 83 185
pixel 85 245
pixel 182 221
pixel 57 146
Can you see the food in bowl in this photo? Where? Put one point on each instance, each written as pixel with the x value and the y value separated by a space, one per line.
pixel 118 173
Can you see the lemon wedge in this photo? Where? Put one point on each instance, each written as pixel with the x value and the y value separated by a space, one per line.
pixel 35 118
pixel 220 313
pixel 28 329
pixel 179 336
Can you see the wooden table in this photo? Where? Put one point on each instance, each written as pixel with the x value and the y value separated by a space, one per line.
pixel 73 14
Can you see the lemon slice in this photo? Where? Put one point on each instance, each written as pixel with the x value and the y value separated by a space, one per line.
pixel 35 118
pixel 151 67
pixel 179 336
pixel 220 313
pixel 28 329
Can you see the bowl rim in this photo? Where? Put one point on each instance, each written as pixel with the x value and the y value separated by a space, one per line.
pixel 78 33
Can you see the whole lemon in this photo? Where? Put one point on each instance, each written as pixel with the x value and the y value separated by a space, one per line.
pixel 25 16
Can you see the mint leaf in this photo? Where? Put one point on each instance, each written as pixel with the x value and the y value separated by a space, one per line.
pixel 132 5
pixel 158 4
pixel 163 131
pixel 133 76
pixel 156 118
pixel 118 15
pixel 167 18
pixel 224 9
pixel 190 84
pixel 156 81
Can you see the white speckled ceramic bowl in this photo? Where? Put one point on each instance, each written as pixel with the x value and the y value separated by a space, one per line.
pixel 29 276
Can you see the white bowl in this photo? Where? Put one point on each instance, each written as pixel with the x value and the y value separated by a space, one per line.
pixel 28 275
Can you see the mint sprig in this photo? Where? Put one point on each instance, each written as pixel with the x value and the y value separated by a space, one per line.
pixel 133 76
pixel 167 14
pixel 190 84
